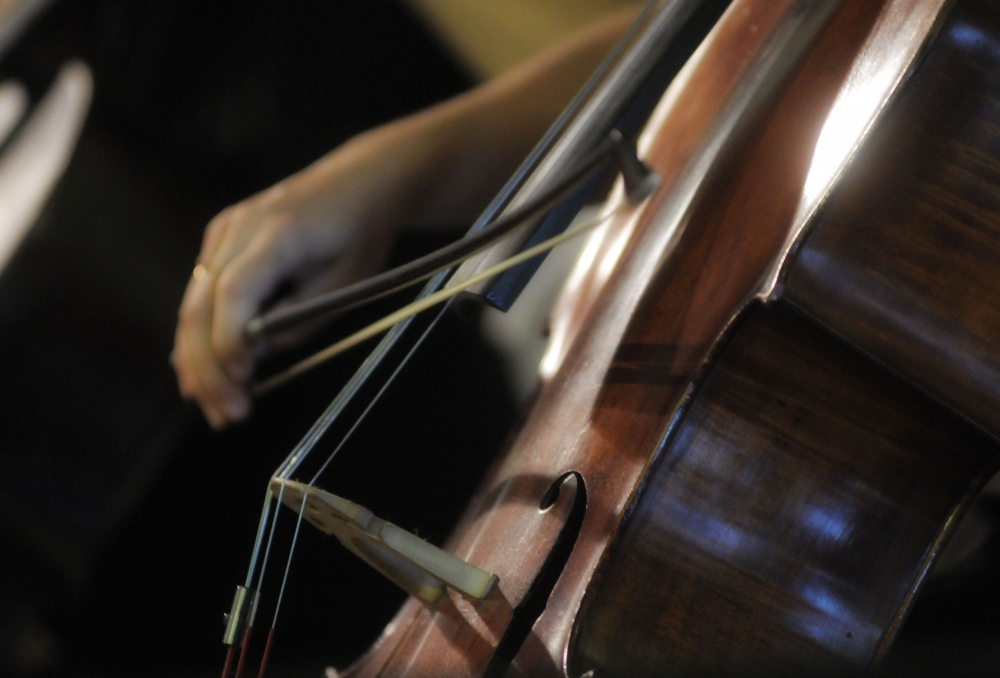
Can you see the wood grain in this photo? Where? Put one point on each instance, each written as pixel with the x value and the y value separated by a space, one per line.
pixel 605 431
pixel 905 260
pixel 788 519
pixel 780 505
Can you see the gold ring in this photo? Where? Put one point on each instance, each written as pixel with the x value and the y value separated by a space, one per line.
pixel 199 272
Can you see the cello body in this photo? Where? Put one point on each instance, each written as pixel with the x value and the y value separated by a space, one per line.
pixel 773 387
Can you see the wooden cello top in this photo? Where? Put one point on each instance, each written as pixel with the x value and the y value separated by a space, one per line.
pixel 685 480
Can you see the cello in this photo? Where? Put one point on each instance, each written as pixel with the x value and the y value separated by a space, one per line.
pixel 771 387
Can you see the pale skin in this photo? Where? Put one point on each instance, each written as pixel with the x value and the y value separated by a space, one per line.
pixel 333 222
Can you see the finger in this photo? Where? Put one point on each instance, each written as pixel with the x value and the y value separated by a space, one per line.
pixel 190 384
pixel 179 367
pixel 214 233
pixel 228 234
pixel 220 399
pixel 317 277
pixel 186 316
pixel 189 378
pixel 273 255
pixel 200 373
pixel 330 278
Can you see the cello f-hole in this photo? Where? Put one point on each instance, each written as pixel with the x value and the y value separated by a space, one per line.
pixel 533 604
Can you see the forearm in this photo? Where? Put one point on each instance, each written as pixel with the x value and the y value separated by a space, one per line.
pixel 485 134
pixel 333 222
pixel 449 160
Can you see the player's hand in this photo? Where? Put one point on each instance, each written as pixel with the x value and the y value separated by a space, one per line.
pixel 327 226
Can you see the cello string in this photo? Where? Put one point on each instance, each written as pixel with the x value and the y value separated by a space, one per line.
pixel 305 446
pixel 527 254
pixel 503 199
pixel 318 429
pixel 288 565
pixel 265 512
pixel 270 538
pixel 260 581
pixel 291 553
pixel 422 304
pixel 389 381
pixel 392 322
pixel 614 148
pixel 243 652
pixel 333 411
pixel 375 287
pixel 261 527
pixel 447 296
pixel 378 396
pixel 281 591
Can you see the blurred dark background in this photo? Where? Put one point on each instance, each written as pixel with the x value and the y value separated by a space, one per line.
pixel 125 523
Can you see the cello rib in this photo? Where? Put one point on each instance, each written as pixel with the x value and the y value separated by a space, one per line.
pixel 790 516
pixel 800 446
pixel 904 260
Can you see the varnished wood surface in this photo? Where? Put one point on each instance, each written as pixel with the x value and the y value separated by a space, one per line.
pixel 577 423
pixel 780 445
pixel 657 606
pixel 458 636
pixel 789 516
pixel 905 261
